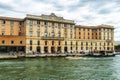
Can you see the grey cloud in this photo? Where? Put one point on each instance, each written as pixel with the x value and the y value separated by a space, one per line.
pixel 4 6
pixel 88 17
pixel 104 11
pixel 9 8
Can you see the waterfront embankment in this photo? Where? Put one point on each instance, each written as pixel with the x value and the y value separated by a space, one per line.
pixel 47 55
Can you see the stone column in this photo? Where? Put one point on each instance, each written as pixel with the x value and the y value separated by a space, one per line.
pixel 49 49
pixel 42 49
pixel 68 47
pixel 62 49
pixel 55 49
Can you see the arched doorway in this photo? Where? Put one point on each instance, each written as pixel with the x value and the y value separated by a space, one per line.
pixel 38 49
pixel 46 49
pixel 59 49
pixel 52 50
pixel 65 49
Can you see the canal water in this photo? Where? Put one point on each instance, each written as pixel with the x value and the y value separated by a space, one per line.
pixel 61 69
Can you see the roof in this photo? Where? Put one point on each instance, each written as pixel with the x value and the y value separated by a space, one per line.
pixel 51 17
pixel 11 18
pixel 98 26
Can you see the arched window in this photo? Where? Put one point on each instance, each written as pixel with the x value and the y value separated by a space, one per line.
pixel 30 42
pixel 12 42
pixel 81 43
pixel 76 43
pixel 45 42
pixel 30 47
pixel 38 42
pixel 86 43
pixel 52 42
pixel 65 42
pixel 21 42
pixel 71 43
pixel 59 42
pixel 3 41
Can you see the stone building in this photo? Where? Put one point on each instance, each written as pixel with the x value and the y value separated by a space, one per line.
pixel 95 38
pixel 12 34
pixel 51 34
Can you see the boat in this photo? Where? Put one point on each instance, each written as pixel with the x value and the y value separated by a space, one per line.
pixel 74 58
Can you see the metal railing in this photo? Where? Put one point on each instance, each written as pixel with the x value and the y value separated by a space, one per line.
pixel 52 38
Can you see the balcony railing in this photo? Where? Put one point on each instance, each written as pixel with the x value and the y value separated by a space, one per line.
pixel 108 40
pixel 52 38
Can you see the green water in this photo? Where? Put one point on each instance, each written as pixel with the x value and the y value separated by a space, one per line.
pixel 61 69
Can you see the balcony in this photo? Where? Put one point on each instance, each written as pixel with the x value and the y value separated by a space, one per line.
pixel 52 38
pixel 108 40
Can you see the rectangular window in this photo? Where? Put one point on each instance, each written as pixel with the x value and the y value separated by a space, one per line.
pixel 19 24
pixel 59 27
pixel 71 27
pixel 31 27
pixel 65 35
pixel 31 22
pixel 11 33
pixel 3 33
pixel 20 34
pixel 38 22
pixel 3 27
pixel 11 27
pixel 3 21
pixel 38 34
pixel 65 25
pixel 30 33
pixel 59 24
pixel 52 24
pixel 45 23
pixel 71 36
pixel 11 23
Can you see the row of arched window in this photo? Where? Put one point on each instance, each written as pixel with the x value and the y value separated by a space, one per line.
pixel 12 42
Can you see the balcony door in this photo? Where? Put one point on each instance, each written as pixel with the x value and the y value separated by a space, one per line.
pixel 52 49
pixel 46 49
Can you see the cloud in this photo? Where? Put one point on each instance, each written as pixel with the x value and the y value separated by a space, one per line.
pixel 84 12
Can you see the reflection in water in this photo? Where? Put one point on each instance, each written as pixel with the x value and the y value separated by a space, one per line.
pixel 61 69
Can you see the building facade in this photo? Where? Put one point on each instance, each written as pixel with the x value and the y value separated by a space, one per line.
pixel 12 34
pixel 95 38
pixel 51 34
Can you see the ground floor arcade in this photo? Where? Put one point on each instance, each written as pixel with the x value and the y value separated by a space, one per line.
pixel 7 49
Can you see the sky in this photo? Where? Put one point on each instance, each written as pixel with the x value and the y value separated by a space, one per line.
pixel 83 12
